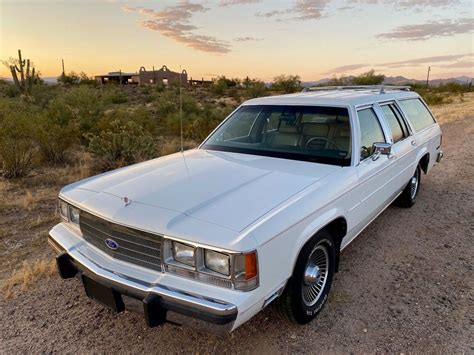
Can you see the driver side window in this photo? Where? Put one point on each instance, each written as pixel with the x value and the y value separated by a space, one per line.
pixel 370 130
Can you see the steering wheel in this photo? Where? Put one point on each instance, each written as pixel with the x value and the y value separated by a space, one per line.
pixel 327 140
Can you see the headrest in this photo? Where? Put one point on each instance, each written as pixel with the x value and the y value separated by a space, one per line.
pixel 288 129
pixel 315 129
pixel 343 118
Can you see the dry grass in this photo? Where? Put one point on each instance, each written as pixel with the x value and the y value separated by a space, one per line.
pixel 461 108
pixel 24 277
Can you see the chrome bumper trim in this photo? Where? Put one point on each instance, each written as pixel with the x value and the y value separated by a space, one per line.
pixel 178 299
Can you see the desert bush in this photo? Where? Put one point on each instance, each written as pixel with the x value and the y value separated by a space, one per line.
pixel 432 98
pixel 114 95
pixel 120 144
pixel 17 143
pixel 84 105
pixel 368 78
pixel 8 90
pixel 254 88
pixel 54 139
pixel 287 83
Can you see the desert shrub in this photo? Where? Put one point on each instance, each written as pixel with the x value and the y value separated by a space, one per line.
pixel 120 144
pixel 221 84
pixel 114 95
pixel 368 78
pixel 69 79
pixel 432 98
pixel 254 88
pixel 17 143
pixel 84 105
pixel 8 90
pixel 141 116
pixel 55 138
pixel 287 83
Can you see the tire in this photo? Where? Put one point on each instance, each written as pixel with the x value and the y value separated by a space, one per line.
pixel 409 194
pixel 297 302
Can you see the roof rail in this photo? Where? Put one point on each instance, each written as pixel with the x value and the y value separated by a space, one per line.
pixel 381 88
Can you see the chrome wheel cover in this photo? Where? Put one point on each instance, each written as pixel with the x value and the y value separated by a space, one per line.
pixel 315 275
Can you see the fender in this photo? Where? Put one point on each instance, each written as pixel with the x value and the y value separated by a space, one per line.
pixel 313 228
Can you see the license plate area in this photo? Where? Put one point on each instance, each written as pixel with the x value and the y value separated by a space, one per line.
pixel 103 294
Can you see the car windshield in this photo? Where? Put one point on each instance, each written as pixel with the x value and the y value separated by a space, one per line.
pixel 309 133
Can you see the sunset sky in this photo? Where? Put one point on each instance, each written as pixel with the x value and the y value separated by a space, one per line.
pixel 261 39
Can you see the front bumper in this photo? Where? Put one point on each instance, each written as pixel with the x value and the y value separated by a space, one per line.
pixel 178 306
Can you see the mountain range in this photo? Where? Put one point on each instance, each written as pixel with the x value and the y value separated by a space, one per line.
pixel 400 80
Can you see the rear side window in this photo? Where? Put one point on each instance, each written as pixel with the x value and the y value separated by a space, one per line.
pixel 395 121
pixel 417 113
pixel 370 130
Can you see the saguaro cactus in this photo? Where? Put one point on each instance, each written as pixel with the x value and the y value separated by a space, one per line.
pixel 26 79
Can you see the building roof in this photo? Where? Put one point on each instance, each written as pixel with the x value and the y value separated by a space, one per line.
pixel 337 97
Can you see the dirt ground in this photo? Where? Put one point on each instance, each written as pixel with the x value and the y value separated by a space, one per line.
pixel 405 285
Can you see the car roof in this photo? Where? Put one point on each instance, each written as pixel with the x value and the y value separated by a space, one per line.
pixel 336 97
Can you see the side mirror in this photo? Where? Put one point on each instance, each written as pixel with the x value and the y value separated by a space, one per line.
pixel 381 149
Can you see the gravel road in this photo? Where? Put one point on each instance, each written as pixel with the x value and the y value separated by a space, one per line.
pixel 405 285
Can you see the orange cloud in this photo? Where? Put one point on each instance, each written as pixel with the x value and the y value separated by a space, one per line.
pixel 174 22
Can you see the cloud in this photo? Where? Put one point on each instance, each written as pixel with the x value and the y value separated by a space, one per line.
pixel 175 22
pixel 301 10
pixel 237 2
pixel 429 60
pixel 247 39
pixel 432 29
pixel 462 60
pixel 409 4
pixel 345 68
pixel 271 13
pixel 462 65
pixel 127 8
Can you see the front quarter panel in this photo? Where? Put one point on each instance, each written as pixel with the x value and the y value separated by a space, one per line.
pixel 282 234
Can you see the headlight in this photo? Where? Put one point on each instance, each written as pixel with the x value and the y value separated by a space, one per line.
pixel 69 213
pixel 217 262
pixel 74 215
pixel 184 253
pixel 224 268
pixel 63 210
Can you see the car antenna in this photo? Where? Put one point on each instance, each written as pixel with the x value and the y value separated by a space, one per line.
pixel 181 108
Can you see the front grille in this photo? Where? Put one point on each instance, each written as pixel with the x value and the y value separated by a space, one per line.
pixel 134 246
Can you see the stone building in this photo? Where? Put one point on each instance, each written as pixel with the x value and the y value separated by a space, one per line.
pixel 163 76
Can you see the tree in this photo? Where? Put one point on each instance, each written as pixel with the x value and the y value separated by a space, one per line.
pixel 369 78
pixel 287 83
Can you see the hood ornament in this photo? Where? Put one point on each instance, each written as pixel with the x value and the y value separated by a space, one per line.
pixel 126 201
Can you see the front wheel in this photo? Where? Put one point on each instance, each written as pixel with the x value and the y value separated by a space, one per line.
pixel 308 288
pixel 408 197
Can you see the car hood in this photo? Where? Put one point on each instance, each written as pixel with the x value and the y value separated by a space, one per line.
pixel 230 190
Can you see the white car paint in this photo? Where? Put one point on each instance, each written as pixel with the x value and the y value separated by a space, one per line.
pixel 238 202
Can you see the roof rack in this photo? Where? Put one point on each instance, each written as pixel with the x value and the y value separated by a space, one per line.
pixel 381 88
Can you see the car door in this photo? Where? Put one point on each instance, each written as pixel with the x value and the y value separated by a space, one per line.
pixel 374 173
pixel 403 144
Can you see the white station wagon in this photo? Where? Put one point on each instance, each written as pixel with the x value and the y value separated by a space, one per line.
pixel 259 212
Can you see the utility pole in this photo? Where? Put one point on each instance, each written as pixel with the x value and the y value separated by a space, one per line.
pixel 428 77
pixel 64 72
pixel 120 77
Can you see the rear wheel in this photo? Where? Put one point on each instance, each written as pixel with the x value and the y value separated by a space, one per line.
pixel 409 194
pixel 308 288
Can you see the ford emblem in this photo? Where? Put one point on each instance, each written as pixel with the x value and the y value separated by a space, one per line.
pixel 111 244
